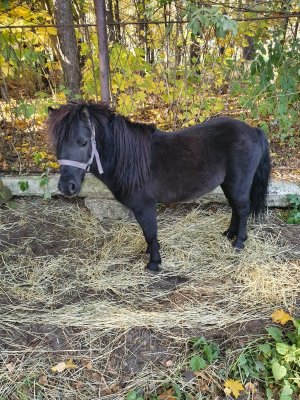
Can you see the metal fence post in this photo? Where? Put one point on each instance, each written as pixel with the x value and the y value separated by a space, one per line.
pixel 103 49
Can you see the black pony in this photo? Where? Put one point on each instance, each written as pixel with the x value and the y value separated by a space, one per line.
pixel 142 165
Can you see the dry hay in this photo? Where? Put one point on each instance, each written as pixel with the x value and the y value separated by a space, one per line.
pixel 73 287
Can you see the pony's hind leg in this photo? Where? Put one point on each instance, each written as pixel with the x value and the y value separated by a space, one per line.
pixel 146 217
pixel 238 198
pixel 242 208
pixel 232 231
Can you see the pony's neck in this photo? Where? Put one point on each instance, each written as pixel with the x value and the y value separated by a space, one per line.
pixel 128 145
pixel 105 148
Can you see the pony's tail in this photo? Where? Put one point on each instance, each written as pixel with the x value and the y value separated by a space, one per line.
pixel 259 187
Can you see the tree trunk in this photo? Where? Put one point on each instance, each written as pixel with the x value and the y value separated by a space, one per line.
pixel 143 29
pixel 286 7
pixel 249 51
pixel 68 46
pixel 110 22
pixel 118 20
pixel 103 49
pixel 45 5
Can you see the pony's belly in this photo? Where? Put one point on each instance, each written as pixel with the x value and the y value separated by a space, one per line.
pixel 179 193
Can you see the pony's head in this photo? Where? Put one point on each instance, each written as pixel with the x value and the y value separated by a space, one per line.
pixel 72 135
pixel 125 146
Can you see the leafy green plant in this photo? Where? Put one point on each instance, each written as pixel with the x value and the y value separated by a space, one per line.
pixel 275 362
pixel 23 185
pixel 273 83
pixel 134 395
pixel 204 353
pixel 293 216
pixel 44 184
pixel 203 17
pixel 24 109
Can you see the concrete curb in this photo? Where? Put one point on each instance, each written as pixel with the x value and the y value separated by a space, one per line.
pixel 93 188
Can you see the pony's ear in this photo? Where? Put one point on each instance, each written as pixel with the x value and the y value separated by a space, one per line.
pixel 50 110
pixel 85 114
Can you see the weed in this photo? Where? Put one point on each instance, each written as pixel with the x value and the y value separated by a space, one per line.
pixel 293 216
pixel 204 353
pixel 134 395
pixel 23 185
pixel 275 363
pixel 44 184
pixel 272 363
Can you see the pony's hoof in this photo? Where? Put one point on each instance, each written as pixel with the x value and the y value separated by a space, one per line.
pixel 152 266
pixel 230 235
pixel 238 245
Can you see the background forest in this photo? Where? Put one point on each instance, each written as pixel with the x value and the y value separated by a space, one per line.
pixel 174 63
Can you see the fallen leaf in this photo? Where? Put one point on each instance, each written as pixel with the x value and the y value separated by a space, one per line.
pixel 60 367
pixel 227 391
pixel 250 387
pixel 97 377
pixel 89 365
pixel 202 385
pixel 281 317
pixel 52 164
pixel 10 367
pixel 169 363
pixel 189 375
pixel 234 387
pixel 79 385
pixel 167 394
pixel 112 389
pixel 43 380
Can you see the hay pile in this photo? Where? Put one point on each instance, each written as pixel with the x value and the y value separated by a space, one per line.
pixel 73 288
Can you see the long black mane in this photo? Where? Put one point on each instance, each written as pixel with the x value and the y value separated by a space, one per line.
pixel 131 140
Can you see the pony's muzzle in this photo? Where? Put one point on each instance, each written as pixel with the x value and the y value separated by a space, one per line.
pixel 69 188
pixel 72 188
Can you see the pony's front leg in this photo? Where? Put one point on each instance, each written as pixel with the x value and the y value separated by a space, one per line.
pixel 146 217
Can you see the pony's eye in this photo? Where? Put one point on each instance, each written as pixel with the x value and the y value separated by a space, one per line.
pixel 84 143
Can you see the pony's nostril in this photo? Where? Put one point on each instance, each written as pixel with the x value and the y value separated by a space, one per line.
pixel 72 187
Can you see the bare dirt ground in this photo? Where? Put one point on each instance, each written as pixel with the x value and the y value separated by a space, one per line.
pixel 73 288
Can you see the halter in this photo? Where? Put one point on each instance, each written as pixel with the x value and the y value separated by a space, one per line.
pixel 95 154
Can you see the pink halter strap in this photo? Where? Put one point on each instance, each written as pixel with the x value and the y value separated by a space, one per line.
pixel 94 154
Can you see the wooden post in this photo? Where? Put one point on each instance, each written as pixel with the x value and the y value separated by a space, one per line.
pixel 103 49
